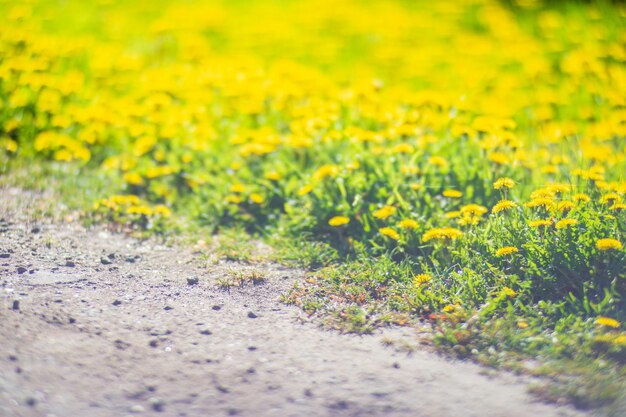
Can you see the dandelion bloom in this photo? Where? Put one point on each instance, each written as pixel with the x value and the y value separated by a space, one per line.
pixel 509 292
pixel 618 206
pixel 304 190
pixel 442 233
pixel 473 210
pixel 565 223
pixel 611 198
pixel 384 212
pixel 273 176
pixel 389 232
pixel 408 224
pixel 522 324
pixel 503 183
pixel 503 205
pixel 421 279
pixel 540 223
pixel 325 171
pixel 540 202
pixel 608 244
pixel 507 250
pixel 564 206
pixel 581 198
pixel 257 198
pixel 339 221
pixel 607 321
pixel 452 194
pixel 237 188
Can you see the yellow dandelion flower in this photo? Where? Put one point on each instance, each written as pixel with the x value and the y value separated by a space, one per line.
pixel 473 210
pixel 133 178
pixel 509 292
pixel 452 214
pixel 304 190
pixel 437 161
pixel 339 221
pixel 611 198
pixel 325 171
pixel 353 166
pixel 403 148
pixel 503 182
pixel 449 308
pixel 608 244
pixel 452 194
pixel 581 198
pixel 384 212
pixel 565 223
pixel 503 205
pixel 257 198
pixel 507 250
pixel 522 324
pixel 421 279
pixel 237 188
pixel 408 224
pixel 273 176
pixel 442 233
pixel 540 223
pixel 545 202
pixel 618 207
pixel 564 206
pixel 389 232
pixel 234 199
pixel 608 322
pixel 498 158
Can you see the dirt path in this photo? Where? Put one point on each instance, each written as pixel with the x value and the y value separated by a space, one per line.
pixel 97 324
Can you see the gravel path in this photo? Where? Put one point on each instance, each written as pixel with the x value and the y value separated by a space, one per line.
pixel 98 324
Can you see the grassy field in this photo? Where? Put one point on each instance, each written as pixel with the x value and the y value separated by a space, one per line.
pixel 460 164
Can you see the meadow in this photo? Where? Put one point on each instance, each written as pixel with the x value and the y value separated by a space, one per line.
pixel 457 164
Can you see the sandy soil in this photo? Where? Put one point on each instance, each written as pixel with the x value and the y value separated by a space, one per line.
pixel 98 324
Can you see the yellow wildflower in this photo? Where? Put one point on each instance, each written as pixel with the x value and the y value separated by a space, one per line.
pixel 304 190
pixel 503 182
pixel 608 244
pixel 507 250
pixel 237 188
pixel 452 194
pixel 565 223
pixel 384 212
pixel 442 233
pixel 608 322
pixel 338 221
pixel 389 232
pixel 257 198
pixel 510 293
pixel 540 223
pixel 503 205
pixel 421 279
pixel 581 198
pixel 408 224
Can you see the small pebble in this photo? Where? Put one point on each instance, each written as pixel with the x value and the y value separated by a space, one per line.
pixel 116 302
pixel 157 404
pixel 137 408
pixel 192 281
pixel 5 255
pixel 21 269
pixel 252 315
pixel 105 261
pixel 16 305
pixel 70 264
